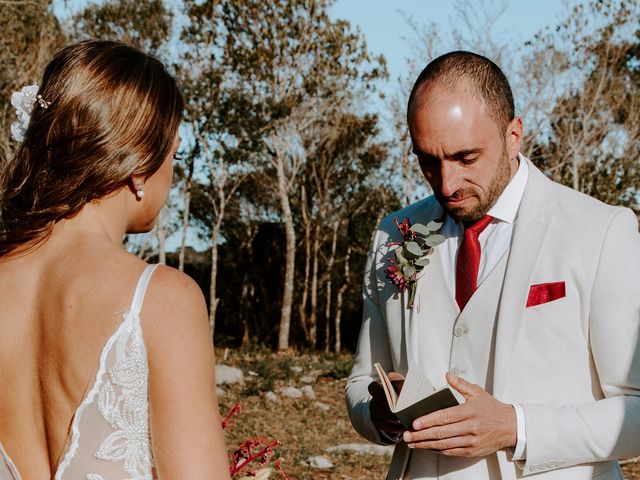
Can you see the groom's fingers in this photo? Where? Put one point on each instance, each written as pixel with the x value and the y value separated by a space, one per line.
pixel 441 417
pixel 446 446
pixel 467 389
pixel 439 433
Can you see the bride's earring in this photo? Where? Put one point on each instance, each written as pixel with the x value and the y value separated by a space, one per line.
pixel 140 192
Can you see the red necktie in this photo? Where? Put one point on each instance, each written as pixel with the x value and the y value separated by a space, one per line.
pixel 469 261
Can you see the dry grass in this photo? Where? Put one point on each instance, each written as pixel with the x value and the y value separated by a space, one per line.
pixel 303 428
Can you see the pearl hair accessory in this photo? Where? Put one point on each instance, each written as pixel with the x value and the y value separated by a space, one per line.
pixel 24 101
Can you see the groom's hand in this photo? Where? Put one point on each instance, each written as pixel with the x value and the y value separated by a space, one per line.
pixel 381 415
pixel 478 427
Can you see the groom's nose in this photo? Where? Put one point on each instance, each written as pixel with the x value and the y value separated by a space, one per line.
pixel 450 178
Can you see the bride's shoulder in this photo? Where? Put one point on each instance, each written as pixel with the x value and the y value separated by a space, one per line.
pixel 174 306
pixel 172 289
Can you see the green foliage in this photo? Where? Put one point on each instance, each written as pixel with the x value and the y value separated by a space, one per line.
pixel 339 366
pixel 592 141
pixel 143 24
pixel 269 369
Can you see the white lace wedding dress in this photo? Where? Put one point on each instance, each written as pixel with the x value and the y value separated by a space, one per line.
pixel 109 437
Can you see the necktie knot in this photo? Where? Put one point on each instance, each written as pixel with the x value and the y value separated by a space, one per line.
pixel 478 226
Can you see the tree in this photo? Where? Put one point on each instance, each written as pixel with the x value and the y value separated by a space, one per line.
pixel 286 63
pixel 29 37
pixel 592 137
pixel 345 152
pixel 145 25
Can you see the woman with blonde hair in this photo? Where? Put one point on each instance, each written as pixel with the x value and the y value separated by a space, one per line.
pixel 106 363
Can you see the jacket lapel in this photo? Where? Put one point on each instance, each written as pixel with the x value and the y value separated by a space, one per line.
pixel 534 219
pixel 432 275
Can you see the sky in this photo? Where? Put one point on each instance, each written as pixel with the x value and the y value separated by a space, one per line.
pixel 386 30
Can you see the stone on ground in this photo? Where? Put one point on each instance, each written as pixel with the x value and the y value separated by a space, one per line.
pixel 362 448
pixel 322 406
pixel 320 462
pixel 291 392
pixel 227 374
pixel 308 392
pixel 271 397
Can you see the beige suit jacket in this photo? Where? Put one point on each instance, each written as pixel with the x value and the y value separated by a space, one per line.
pixel 573 363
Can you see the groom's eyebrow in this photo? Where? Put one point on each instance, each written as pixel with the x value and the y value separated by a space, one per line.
pixel 457 154
pixel 464 153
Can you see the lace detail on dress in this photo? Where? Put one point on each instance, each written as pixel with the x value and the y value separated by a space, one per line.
pixel 75 430
pixel 123 402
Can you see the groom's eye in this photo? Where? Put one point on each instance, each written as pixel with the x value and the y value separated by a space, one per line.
pixel 469 160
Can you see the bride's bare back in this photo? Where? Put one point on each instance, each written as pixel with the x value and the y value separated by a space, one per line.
pixel 60 305
pixel 64 299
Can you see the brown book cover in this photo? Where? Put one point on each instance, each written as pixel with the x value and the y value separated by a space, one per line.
pixel 417 397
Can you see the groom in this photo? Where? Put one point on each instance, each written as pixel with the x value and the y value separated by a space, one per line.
pixel 530 308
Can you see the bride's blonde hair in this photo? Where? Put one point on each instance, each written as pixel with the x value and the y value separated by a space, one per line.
pixel 113 112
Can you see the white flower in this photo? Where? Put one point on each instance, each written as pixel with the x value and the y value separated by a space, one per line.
pixel 23 101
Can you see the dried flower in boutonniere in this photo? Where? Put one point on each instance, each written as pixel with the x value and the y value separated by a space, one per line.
pixel 411 254
pixel 254 450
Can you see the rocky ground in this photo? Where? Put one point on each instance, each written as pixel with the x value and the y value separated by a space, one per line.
pixel 298 400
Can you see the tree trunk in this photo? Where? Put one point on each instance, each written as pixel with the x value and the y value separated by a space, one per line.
pixel 290 255
pixel 327 310
pixel 302 307
pixel 185 216
pixel 341 292
pixel 313 315
pixel 161 235
pixel 213 300
pixel 575 172
pixel 245 321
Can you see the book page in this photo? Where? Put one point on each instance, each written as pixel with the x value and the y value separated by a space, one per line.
pixel 389 391
pixel 416 387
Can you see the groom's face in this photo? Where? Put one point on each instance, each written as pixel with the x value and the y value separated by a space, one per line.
pixel 464 155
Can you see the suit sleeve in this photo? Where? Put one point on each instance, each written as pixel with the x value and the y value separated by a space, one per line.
pixel 606 429
pixel 372 347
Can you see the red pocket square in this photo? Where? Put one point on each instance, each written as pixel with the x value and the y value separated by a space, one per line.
pixel 545 292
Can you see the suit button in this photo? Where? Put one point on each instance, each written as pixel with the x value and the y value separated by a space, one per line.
pixel 458 331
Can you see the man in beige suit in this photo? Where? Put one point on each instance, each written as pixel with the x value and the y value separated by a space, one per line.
pixel 530 308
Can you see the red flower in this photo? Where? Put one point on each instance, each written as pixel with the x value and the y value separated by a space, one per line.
pixel 394 274
pixel 258 450
pixel 405 229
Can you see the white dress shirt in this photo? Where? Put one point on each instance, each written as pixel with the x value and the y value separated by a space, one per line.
pixel 494 244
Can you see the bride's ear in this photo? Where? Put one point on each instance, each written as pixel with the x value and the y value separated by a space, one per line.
pixel 136 186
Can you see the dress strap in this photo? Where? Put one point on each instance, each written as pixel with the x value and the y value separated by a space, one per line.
pixel 141 288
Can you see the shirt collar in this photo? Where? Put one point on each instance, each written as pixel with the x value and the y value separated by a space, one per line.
pixel 506 207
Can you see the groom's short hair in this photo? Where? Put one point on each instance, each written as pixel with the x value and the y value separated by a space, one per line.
pixel 484 76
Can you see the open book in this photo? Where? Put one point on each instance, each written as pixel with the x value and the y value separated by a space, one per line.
pixel 418 396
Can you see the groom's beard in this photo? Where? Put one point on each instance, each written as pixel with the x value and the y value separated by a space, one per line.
pixel 486 199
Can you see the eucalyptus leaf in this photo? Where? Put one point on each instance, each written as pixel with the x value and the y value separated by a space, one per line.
pixel 434 239
pixel 420 228
pixel 414 249
pixel 400 257
pixel 409 271
pixel 422 262
pixel 433 226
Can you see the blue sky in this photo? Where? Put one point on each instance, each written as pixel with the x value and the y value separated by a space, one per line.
pixel 387 32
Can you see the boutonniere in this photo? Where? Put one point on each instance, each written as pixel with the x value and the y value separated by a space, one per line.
pixel 411 254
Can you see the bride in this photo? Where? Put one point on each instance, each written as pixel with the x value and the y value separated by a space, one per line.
pixel 106 363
